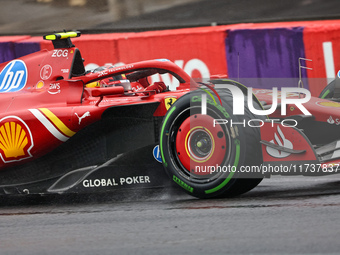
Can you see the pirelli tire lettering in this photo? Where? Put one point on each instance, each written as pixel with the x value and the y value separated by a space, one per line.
pixel 123 181
pixel 189 139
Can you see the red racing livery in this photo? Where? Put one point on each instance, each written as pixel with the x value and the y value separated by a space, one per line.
pixel 64 129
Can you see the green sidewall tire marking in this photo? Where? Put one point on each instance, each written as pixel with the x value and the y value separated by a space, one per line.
pixel 208 92
pixel 225 182
pixel 182 184
pixel 172 109
pixel 325 94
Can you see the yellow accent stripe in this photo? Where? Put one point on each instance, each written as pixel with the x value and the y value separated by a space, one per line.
pixel 65 35
pixel 68 35
pixel 56 121
pixel 50 37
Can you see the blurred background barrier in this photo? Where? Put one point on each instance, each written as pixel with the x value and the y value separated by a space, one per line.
pixel 268 52
pixel 119 9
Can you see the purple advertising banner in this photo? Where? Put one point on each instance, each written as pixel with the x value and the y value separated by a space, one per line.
pixel 25 48
pixel 266 54
pixel 6 51
pixel 11 50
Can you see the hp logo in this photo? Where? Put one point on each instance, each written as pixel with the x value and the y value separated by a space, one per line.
pixel 13 77
pixel 156 154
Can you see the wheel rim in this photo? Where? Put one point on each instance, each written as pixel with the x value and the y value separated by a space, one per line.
pixel 199 146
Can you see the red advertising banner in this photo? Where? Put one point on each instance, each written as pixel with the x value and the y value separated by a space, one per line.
pixel 97 49
pixel 322 46
pixel 199 51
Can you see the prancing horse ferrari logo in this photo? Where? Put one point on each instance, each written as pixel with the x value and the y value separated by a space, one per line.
pixel 169 101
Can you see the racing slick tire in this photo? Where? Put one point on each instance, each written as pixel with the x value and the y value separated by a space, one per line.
pixel 203 153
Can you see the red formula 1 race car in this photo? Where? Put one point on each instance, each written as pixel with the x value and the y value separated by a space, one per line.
pixel 67 130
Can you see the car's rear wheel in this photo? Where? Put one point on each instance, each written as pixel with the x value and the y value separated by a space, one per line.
pixel 204 153
pixel 328 91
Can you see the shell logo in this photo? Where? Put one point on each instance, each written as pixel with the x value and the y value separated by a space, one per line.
pixel 15 140
pixel 39 85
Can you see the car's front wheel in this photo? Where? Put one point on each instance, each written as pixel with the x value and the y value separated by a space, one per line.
pixel 203 152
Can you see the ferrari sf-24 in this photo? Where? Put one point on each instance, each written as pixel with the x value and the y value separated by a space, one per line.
pixel 64 129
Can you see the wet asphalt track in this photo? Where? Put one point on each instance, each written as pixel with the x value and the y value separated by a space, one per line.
pixel 283 215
